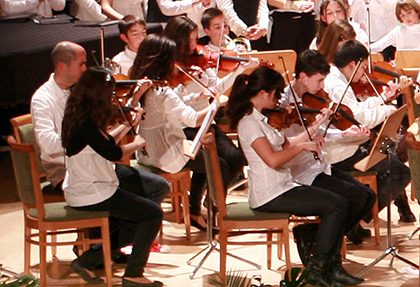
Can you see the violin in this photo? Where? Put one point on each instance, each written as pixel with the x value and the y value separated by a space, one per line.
pixel 282 118
pixel 226 60
pixel 342 120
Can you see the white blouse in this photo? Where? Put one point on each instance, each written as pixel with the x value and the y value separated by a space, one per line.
pixel 162 129
pixel 265 183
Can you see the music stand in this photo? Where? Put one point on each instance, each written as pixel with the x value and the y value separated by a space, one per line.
pixel 383 148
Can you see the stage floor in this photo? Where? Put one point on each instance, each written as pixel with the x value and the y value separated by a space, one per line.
pixel 172 268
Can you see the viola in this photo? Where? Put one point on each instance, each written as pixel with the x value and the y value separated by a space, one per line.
pixel 281 118
pixel 228 60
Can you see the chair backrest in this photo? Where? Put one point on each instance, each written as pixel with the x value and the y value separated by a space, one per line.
pixel 214 175
pixel 23 131
pixel 27 177
pixel 408 61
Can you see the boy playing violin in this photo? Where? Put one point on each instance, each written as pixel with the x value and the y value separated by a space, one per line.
pixel 132 32
pixel 311 70
pixel 369 111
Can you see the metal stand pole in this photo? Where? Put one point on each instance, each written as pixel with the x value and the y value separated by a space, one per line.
pixel 212 243
pixel 387 148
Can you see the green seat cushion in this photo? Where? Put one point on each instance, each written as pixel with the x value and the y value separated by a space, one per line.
pixel 242 211
pixel 60 211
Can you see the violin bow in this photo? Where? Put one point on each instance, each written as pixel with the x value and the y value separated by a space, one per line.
pixel 297 104
pixel 342 96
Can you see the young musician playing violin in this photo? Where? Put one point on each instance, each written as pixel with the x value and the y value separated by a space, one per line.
pixel 184 32
pixel 369 111
pixel 311 70
pixel 213 23
pixel 166 115
pixel 272 187
pixel 91 183
pixel 132 32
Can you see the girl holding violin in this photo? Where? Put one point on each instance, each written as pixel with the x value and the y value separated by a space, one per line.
pixel 370 111
pixel 311 70
pixel 183 32
pixel 272 187
pixel 91 182
pixel 166 115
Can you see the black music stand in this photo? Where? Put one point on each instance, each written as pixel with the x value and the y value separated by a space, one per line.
pixel 383 148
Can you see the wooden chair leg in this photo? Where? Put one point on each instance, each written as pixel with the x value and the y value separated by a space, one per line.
pixel 375 213
pixel 43 258
pixel 106 247
pixel 269 249
pixel 27 252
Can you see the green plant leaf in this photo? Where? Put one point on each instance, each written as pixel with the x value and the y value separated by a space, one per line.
pixel 295 277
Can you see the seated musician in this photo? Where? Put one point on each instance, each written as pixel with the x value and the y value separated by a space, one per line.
pixel 47 110
pixel 132 32
pixel 117 9
pixel 87 10
pixel 166 115
pixel 184 32
pixel 91 183
pixel 405 36
pixel 39 7
pixel 311 70
pixel 331 10
pixel 272 187
pixel 369 111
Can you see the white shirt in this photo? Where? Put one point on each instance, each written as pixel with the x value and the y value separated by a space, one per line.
pixel 402 37
pixel 304 167
pixel 162 129
pixel 233 20
pixel 125 59
pixel 47 109
pixel 361 36
pixel 265 183
pixel 90 178
pixel 87 10
pixel 16 7
pixel 130 7
pixel 370 112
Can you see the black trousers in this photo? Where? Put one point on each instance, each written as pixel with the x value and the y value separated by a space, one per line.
pixel 292 31
pixel 138 221
pixel 332 208
pixel 231 159
pixel 399 177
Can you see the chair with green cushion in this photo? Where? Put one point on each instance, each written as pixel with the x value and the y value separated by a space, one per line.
pixel 23 131
pixel 238 217
pixel 50 220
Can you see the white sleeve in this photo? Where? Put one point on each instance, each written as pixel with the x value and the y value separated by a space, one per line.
pixel 263 13
pixel 234 22
pixel 57 5
pixel 45 130
pixel 177 109
pixel 173 8
pixel 387 40
pixel 15 7
pixel 92 8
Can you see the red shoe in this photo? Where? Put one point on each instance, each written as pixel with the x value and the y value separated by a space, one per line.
pixel 156 247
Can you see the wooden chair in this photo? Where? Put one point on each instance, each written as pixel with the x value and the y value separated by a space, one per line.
pixel 51 219
pixel 369 178
pixel 23 124
pixel 238 216
pixel 180 184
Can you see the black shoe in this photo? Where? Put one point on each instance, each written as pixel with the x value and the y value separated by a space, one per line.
pixel 406 215
pixel 81 271
pixel 318 274
pixel 201 227
pixel 362 232
pixel 128 283
pixel 353 237
pixel 339 274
